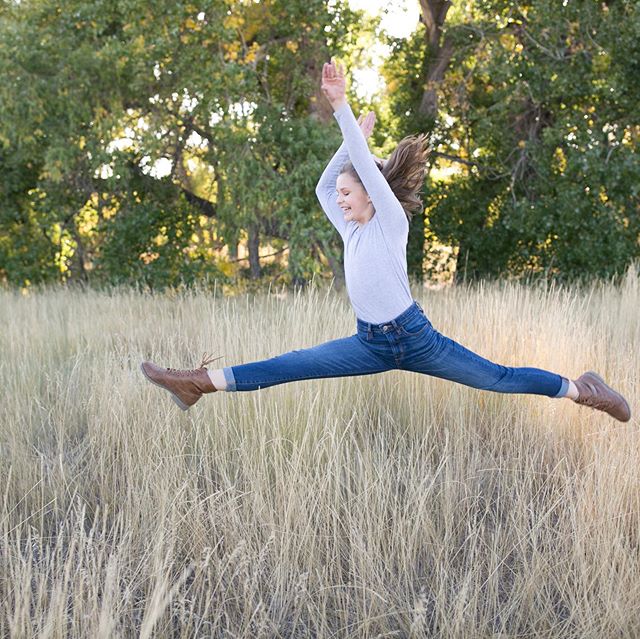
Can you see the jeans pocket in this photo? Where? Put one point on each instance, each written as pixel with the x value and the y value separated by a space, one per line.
pixel 415 327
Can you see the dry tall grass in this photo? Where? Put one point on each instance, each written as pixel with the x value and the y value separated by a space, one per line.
pixel 394 505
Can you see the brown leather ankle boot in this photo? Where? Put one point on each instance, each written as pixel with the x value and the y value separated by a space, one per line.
pixel 186 386
pixel 593 392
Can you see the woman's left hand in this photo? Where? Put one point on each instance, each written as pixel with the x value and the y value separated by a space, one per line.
pixel 366 123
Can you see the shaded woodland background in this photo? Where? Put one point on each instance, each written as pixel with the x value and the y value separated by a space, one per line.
pixel 531 107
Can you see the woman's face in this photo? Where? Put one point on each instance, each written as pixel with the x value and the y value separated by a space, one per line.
pixel 353 199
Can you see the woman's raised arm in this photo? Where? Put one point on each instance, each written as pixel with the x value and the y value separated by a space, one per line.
pixel 326 187
pixel 390 213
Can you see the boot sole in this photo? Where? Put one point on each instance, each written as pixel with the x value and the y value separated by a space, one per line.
pixel 626 403
pixel 175 398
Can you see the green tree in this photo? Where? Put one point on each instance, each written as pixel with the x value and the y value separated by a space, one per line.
pixel 537 110
pixel 225 91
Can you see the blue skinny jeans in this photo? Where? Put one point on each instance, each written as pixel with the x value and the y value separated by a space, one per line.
pixel 409 343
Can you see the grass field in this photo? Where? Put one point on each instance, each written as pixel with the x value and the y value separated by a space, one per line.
pixel 394 505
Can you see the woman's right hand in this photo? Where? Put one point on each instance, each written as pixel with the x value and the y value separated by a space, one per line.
pixel 334 84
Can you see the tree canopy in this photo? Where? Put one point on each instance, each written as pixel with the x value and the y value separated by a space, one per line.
pixel 531 107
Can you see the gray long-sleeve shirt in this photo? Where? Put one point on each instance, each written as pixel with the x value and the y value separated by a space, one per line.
pixel 375 255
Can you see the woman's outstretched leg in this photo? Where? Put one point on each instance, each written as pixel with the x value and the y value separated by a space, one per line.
pixel 442 357
pixel 447 359
pixel 343 357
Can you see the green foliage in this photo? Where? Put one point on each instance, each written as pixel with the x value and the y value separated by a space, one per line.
pixel 544 108
pixel 151 244
pixel 404 73
pixel 537 108
pixel 95 94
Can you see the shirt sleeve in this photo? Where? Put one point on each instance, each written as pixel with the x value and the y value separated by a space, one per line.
pixel 326 189
pixel 389 211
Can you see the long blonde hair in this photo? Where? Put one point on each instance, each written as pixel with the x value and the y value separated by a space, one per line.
pixel 404 171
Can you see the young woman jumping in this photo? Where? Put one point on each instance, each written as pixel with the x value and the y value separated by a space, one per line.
pixel 370 202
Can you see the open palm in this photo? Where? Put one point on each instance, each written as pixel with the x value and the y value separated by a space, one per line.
pixel 334 84
pixel 367 123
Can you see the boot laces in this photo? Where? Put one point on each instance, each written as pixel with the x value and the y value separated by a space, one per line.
pixel 594 400
pixel 206 359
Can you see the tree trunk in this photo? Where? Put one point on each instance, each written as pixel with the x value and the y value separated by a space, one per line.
pixel 296 279
pixel 416 248
pixel 335 264
pixel 80 255
pixel 433 14
pixel 254 251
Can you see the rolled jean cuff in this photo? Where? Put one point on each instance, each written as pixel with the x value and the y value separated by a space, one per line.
pixel 564 387
pixel 229 378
